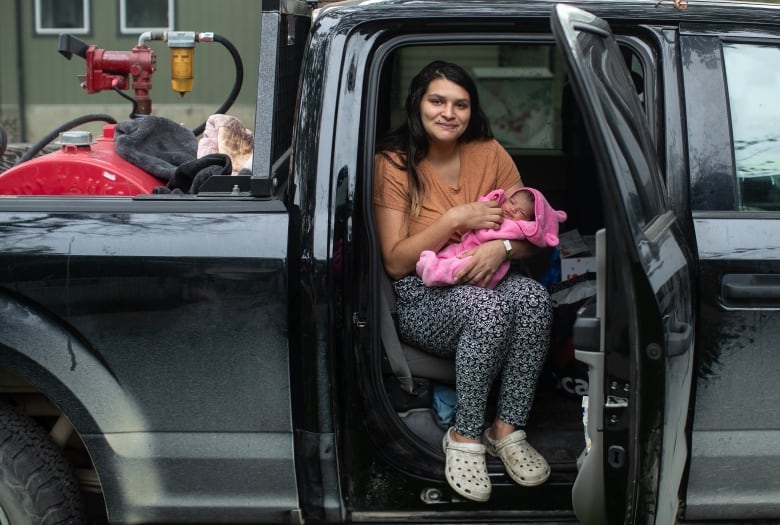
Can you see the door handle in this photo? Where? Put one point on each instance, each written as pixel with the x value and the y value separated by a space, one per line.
pixel 750 290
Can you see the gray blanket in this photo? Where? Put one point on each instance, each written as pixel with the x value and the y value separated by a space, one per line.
pixel 157 145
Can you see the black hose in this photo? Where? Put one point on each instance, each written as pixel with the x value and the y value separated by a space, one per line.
pixel 78 121
pixel 131 99
pixel 239 80
pixel 3 141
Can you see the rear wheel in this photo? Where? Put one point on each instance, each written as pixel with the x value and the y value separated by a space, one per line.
pixel 37 485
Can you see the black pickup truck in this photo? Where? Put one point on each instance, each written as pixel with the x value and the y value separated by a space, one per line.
pixel 219 357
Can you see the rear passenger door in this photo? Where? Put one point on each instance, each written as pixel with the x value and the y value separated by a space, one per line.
pixel 732 85
pixel 638 426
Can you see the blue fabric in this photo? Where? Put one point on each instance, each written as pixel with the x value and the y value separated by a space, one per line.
pixel 444 401
pixel 553 275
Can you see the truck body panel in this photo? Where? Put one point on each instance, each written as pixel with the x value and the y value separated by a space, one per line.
pixel 83 280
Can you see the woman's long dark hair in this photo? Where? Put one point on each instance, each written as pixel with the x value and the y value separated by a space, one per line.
pixel 410 142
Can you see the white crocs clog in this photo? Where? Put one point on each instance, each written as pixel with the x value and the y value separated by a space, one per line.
pixel 465 469
pixel 522 462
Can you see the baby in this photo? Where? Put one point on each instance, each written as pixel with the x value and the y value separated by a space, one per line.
pixel 527 215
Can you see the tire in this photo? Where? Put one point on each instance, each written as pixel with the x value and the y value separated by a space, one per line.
pixel 37 485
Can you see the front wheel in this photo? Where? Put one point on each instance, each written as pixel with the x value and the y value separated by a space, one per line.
pixel 37 485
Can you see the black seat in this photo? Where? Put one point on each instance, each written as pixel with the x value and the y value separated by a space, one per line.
pixel 421 364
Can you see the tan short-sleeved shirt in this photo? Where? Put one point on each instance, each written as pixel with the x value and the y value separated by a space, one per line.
pixel 484 166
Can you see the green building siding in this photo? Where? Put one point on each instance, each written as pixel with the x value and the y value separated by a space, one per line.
pixel 51 80
pixel 9 92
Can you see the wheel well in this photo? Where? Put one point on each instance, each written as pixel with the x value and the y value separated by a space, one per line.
pixel 30 401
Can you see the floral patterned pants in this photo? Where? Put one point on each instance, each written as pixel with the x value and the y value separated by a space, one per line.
pixel 505 330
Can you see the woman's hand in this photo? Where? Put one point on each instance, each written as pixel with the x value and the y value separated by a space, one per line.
pixel 476 216
pixel 483 264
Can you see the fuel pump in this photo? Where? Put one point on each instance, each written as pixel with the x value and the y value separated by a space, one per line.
pixel 84 166
pixel 113 69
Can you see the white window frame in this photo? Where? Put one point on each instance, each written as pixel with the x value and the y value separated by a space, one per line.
pixel 123 29
pixel 40 30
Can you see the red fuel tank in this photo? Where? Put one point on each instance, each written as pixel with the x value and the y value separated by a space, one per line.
pixel 81 167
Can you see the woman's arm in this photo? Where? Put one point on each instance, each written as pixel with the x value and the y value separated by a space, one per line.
pixel 400 251
pixel 487 257
pixel 522 249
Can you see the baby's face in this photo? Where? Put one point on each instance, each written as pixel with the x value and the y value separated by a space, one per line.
pixel 519 207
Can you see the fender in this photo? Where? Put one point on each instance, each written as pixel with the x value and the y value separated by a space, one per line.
pixel 67 370
pixel 34 344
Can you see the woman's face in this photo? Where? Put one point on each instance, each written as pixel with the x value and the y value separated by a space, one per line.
pixel 445 111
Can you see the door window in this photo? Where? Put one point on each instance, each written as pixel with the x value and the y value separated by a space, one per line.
pixel 753 78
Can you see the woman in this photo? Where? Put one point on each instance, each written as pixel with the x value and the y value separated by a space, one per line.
pixel 429 175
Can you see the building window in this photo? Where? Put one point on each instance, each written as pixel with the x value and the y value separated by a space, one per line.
pixel 138 16
pixel 53 17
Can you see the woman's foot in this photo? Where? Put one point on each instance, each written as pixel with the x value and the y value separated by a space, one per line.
pixel 465 467
pixel 522 462
pixel 500 429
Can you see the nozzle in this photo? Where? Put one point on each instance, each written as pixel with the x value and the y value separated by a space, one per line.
pixel 69 45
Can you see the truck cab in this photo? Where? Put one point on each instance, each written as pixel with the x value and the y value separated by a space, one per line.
pixel 232 357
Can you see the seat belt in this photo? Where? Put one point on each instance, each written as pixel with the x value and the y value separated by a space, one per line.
pixel 393 349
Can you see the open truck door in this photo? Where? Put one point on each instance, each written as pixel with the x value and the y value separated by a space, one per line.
pixel 638 339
